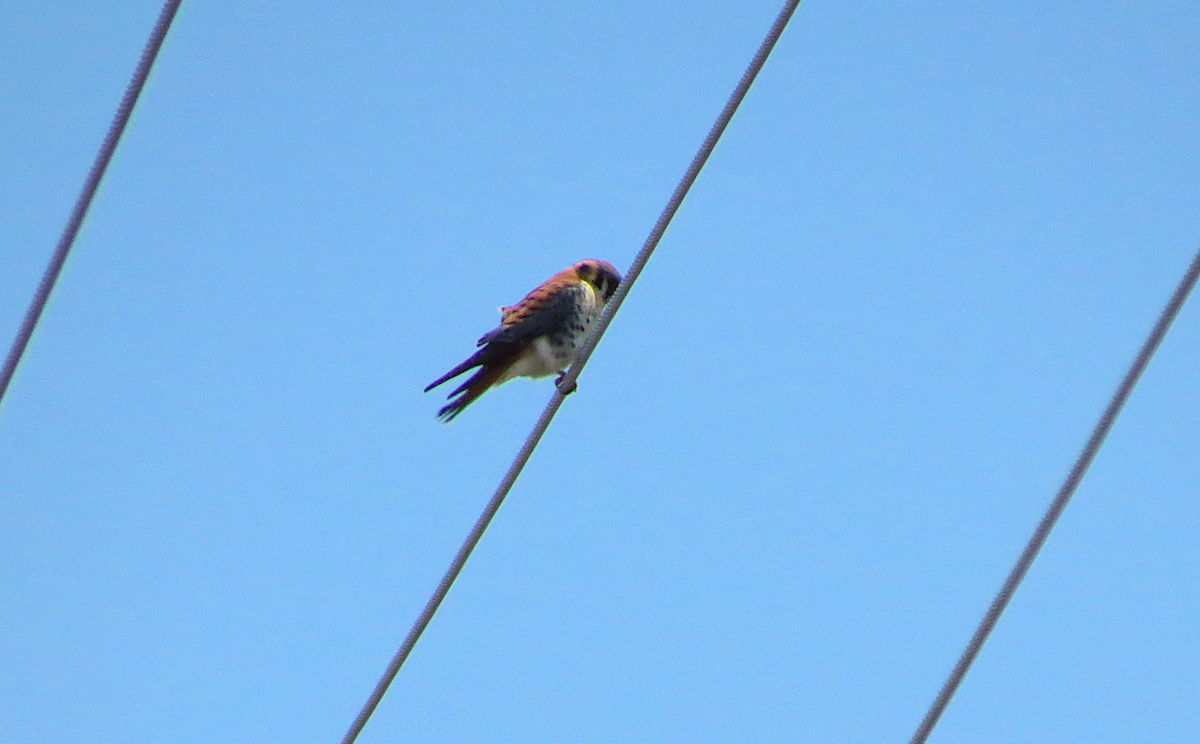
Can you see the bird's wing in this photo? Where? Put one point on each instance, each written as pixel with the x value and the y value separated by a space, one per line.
pixel 544 310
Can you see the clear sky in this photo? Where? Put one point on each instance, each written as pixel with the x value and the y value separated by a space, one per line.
pixel 796 470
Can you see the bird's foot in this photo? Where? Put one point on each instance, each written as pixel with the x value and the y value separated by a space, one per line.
pixel 568 389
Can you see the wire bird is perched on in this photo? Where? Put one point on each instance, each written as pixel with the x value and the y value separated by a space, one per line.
pixel 539 335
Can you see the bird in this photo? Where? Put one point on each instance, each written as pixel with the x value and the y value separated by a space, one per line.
pixel 537 337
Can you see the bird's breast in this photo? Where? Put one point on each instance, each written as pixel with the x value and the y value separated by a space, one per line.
pixel 567 340
pixel 553 352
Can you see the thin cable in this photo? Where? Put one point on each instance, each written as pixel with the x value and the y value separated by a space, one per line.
pixel 99 166
pixel 1038 539
pixel 567 384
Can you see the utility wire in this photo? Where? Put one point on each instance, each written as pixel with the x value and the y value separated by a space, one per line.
pixel 99 166
pixel 1038 539
pixel 567 384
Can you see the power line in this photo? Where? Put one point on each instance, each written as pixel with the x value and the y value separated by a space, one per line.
pixel 99 166
pixel 567 384
pixel 1038 539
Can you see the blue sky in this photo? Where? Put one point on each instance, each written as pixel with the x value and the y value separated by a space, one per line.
pixel 797 468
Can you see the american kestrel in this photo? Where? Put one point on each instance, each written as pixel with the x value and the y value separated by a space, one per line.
pixel 539 335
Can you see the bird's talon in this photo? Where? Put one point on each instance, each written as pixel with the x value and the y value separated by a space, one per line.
pixel 567 390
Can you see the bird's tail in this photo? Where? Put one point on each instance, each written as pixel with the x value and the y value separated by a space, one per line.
pixel 474 360
pixel 468 391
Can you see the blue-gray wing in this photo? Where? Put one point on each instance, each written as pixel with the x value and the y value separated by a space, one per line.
pixel 536 315
pixel 541 312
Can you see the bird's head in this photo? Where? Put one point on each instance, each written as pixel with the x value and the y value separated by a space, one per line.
pixel 599 274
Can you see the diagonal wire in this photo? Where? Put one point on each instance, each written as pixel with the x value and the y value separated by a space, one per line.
pixel 99 166
pixel 567 384
pixel 1038 539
